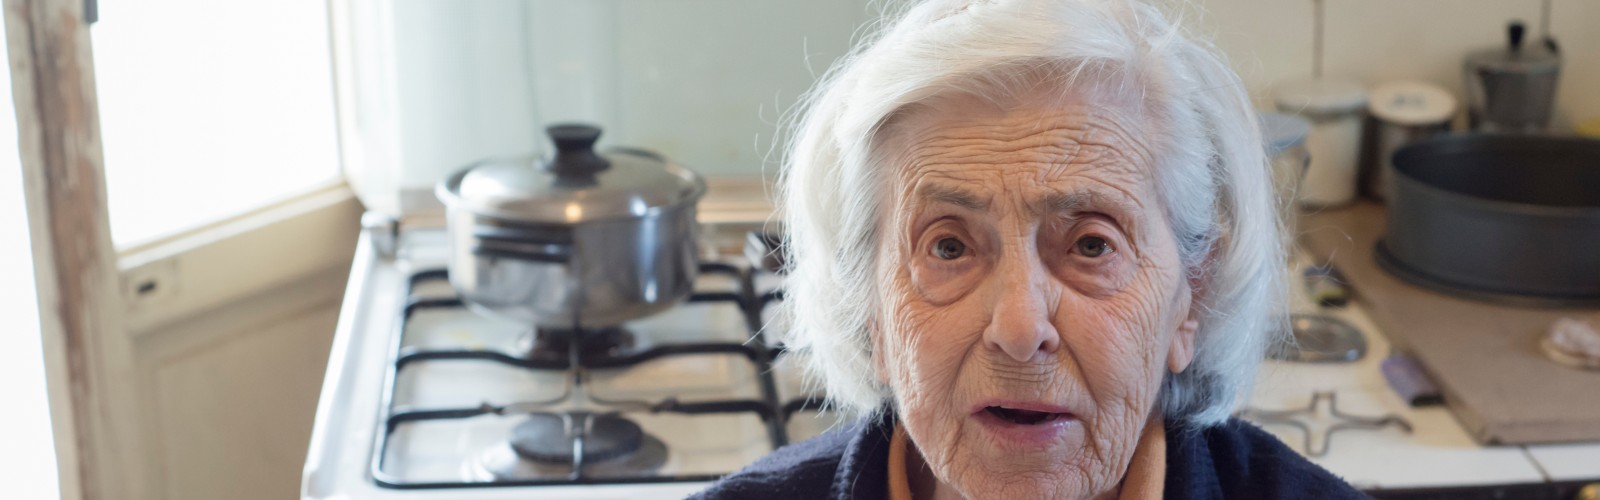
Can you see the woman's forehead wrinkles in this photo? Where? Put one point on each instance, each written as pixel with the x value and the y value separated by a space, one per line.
pixel 1100 142
pixel 1113 131
pixel 1004 134
pixel 972 193
pixel 966 183
pixel 1049 159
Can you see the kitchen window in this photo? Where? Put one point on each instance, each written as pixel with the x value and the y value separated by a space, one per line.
pixel 210 110
pixel 221 151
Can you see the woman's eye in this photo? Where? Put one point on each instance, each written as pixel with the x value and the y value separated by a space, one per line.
pixel 1092 246
pixel 949 249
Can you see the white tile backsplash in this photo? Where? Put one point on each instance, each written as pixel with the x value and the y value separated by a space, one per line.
pixel 705 81
pixel 1374 41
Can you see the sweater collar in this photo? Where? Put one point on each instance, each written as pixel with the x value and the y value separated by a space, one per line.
pixel 863 471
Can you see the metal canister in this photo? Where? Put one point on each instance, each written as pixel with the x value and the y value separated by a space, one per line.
pixel 1336 109
pixel 1512 89
pixel 1405 112
pixel 1285 138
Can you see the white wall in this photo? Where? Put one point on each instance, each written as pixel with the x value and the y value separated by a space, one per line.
pixel 705 81
pixel 1380 40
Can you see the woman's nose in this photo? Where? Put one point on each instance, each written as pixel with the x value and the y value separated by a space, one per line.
pixel 1021 325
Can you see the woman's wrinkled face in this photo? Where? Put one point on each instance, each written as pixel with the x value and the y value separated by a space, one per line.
pixel 1033 294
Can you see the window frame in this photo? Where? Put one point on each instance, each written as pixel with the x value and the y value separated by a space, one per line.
pixel 209 266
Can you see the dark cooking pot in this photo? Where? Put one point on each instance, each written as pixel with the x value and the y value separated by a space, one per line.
pixel 1508 218
pixel 576 239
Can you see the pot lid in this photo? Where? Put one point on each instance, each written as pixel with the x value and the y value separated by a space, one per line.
pixel 1412 103
pixel 1283 131
pixel 1321 97
pixel 1517 57
pixel 575 184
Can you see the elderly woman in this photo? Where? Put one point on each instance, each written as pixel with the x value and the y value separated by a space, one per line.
pixel 1035 242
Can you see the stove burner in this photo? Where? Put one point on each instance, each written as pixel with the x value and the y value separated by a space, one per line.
pixel 1319 338
pixel 541 449
pixel 547 437
pixel 537 449
pixel 1299 417
pixel 550 344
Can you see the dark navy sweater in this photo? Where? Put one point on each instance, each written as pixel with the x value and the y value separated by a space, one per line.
pixel 1232 460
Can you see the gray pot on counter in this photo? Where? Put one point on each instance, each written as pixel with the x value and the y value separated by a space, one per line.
pixel 1508 218
pixel 577 239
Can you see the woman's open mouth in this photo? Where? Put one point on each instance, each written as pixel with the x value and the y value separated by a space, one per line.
pixel 1022 425
pixel 1023 417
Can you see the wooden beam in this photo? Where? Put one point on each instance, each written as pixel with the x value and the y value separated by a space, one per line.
pixel 87 354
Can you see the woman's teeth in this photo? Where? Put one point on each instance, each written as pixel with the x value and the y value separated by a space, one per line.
pixel 1024 417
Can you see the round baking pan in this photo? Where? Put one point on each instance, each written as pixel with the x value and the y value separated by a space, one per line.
pixel 1504 218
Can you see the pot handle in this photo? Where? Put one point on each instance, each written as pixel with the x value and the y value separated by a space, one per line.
pixel 552 248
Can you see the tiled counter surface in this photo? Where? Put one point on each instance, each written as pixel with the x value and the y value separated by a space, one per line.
pixel 1438 453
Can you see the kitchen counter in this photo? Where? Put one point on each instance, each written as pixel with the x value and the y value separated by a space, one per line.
pixel 1485 355
pixel 1439 452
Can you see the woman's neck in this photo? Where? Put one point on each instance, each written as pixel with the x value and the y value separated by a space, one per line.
pixel 925 485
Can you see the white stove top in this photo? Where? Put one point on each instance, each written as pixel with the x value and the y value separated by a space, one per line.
pixel 353 456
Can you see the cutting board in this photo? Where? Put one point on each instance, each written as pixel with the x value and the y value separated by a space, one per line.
pixel 1485 356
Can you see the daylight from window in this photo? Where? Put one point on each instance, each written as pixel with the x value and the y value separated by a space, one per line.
pixel 210 109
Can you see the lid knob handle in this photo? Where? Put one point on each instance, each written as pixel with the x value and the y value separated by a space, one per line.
pixel 575 154
pixel 1514 32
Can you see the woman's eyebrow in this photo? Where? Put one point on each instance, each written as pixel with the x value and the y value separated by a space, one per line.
pixel 1086 200
pixel 1066 202
pixel 940 193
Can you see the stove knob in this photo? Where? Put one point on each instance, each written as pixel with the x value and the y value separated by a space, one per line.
pixel 383 231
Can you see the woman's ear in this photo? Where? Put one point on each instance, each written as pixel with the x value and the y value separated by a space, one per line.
pixel 879 365
pixel 1181 352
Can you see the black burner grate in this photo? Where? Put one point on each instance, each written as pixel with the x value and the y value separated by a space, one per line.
pixel 773 412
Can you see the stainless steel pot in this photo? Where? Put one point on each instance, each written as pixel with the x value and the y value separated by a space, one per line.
pixel 577 239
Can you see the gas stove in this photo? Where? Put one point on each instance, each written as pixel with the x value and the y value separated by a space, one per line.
pixel 427 398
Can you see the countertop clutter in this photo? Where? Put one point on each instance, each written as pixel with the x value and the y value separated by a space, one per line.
pixel 1513 423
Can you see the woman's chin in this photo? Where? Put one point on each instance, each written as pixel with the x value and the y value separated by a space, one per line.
pixel 1010 460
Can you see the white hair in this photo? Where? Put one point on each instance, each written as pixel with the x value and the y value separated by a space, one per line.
pixel 1211 175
